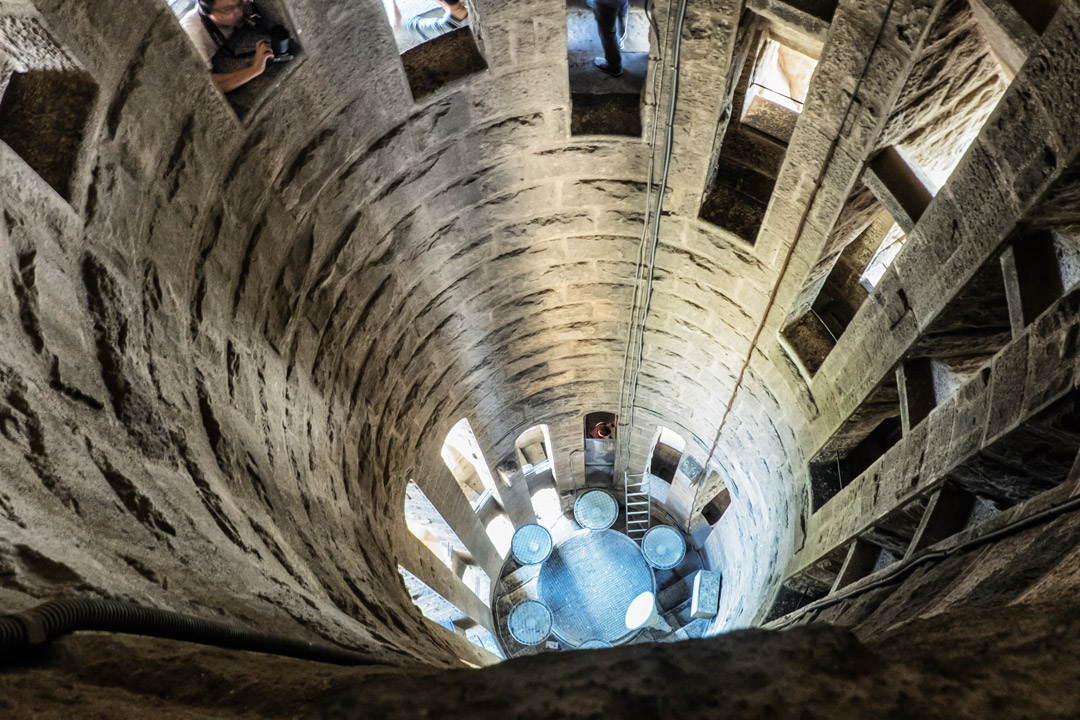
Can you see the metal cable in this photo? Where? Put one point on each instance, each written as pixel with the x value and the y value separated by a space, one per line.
pixel 658 90
pixel 669 136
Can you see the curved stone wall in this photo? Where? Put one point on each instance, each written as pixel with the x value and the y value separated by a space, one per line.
pixel 240 340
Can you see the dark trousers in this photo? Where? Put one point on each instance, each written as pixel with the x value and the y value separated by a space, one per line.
pixel 611 26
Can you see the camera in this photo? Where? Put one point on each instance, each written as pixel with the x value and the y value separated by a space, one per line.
pixel 279 43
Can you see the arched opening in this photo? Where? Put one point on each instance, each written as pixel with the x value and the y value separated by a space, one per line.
pixel 462 455
pixel 534 450
pixel 600 429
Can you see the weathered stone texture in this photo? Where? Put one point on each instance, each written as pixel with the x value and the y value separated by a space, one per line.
pixel 233 341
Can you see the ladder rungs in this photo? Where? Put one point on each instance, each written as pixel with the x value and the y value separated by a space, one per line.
pixel 638 501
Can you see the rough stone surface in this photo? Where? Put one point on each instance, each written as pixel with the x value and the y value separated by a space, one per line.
pixel 229 346
pixel 1005 663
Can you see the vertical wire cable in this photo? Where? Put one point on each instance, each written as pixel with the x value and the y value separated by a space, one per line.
pixel 657 80
pixel 655 229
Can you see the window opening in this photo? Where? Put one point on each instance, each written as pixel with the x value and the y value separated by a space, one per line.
pixel 956 84
pixel 890 247
pixel 1039 266
pixel 437 40
pixel 534 450
pixel 248 45
pixel 779 82
pixel 462 455
pixel 952 349
pixel 606 100
pixel 45 101
pixel 768 86
pixel 443 612
pixel 666 452
pixel 716 507
pixel 861 440
pixel 792 596
pixel 855 272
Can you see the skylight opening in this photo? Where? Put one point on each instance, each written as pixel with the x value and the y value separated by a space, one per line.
pixel 181 8
pixel 423 9
pixel 781 77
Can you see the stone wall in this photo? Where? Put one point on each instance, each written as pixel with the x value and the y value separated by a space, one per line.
pixel 236 341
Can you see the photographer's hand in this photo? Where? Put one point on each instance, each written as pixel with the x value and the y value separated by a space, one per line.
pixel 227 82
pixel 263 54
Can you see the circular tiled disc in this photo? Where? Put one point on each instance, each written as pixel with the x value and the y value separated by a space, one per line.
pixel 531 544
pixel 663 547
pixel 596 510
pixel 594 645
pixel 530 622
pixel 589 582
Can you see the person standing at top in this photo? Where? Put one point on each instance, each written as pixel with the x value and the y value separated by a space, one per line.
pixel 611 17
pixel 209 25
pixel 455 15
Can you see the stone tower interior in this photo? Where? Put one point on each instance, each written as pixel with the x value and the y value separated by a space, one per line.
pixel 300 358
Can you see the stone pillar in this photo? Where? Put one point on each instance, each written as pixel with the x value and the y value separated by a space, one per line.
pixel 455 509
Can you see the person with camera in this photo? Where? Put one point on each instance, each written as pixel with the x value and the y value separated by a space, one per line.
pixel 455 15
pixel 209 25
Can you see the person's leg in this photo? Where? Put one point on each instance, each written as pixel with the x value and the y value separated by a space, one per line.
pixel 621 24
pixel 605 27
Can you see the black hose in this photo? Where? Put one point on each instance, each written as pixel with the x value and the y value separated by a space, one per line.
pixel 59 617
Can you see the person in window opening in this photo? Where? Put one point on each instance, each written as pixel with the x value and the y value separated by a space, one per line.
pixel 611 17
pixel 601 431
pixel 210 24
pixel 455 15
